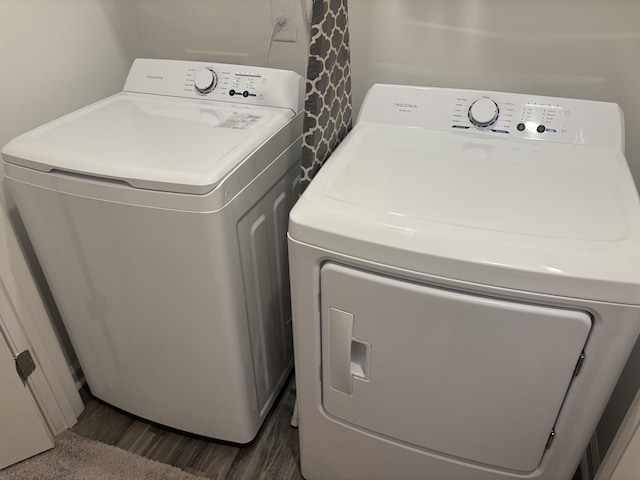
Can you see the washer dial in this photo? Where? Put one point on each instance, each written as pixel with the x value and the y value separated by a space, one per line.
pixel 483 112
pixel 205 80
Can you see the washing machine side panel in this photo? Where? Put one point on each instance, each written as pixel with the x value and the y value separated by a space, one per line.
pixel 465 375
pixel 262 234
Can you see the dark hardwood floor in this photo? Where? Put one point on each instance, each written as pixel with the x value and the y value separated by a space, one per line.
pixel 274 454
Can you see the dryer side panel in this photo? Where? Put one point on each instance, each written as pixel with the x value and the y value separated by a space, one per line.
pixel 467 376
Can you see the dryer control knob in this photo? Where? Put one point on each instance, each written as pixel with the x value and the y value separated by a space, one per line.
pixel 483 112
pixel 205 80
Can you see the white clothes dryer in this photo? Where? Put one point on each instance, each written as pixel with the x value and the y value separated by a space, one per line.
pixel 465 287
pixel 159 216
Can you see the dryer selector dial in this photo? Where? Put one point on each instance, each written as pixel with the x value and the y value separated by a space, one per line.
pixel 483 112
pixel 205 80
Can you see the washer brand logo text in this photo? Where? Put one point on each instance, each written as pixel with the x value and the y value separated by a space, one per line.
pixel 155 77
pixel 405 105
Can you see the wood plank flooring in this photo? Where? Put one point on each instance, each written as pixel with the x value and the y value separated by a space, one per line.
pixel 274 454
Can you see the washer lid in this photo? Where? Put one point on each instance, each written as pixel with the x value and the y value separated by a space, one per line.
pixel 546 217
pixel 150 141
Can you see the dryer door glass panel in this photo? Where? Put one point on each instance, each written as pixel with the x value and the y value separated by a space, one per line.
pixel 468 376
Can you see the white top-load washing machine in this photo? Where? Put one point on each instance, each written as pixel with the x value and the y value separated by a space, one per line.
pixel 159 216
pixel 465 287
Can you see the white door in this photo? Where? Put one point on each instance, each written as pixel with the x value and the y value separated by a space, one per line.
pixel 23 431
pixel 446 371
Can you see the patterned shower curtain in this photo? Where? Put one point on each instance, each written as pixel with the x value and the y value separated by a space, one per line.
pixel 328 92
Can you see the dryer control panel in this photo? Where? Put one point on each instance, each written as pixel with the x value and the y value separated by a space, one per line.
pixel 536 115
pixel 497 114
pixel 217 81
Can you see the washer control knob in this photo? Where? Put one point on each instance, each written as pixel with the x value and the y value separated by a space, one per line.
pixel 205 80
pixel 483 112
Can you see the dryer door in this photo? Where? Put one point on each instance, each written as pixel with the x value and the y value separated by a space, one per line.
pixel 464 375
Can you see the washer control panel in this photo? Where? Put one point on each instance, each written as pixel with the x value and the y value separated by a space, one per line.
pixel 237 83
pixel 217 81
pixel 496 114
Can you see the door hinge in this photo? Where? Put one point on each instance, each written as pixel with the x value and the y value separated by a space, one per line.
pixel 25 365
pixel 579 365
pixel 552 435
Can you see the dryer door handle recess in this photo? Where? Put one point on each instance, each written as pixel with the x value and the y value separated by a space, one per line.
pixel 349 357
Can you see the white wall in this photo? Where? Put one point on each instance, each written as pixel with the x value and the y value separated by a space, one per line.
pixel 58 56
pixel 232 31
